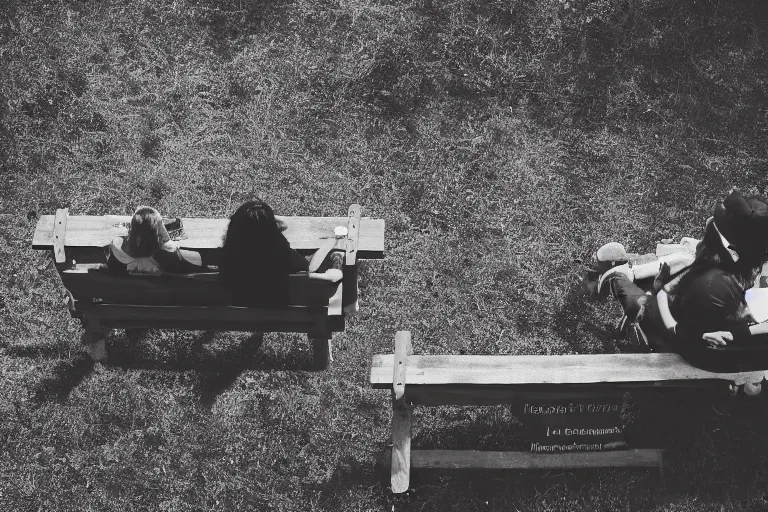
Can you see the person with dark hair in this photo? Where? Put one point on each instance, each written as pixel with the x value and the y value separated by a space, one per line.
pixel 256 259
pixel 148 249
pixel 710 296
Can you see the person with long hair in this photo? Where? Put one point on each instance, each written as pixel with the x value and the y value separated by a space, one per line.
pixel 709 298
pixel 256 259
pixel 148 248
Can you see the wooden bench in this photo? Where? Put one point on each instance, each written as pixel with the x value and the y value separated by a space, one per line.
pixel 435 380
pixel 104 301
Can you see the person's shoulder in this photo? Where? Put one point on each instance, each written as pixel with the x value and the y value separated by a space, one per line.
pixel 118 249
pixel 721 281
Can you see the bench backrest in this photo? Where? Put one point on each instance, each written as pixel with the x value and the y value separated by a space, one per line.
pixel 99 285
pixel 85 236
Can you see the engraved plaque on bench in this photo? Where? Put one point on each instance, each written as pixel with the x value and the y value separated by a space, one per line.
pixel 574 424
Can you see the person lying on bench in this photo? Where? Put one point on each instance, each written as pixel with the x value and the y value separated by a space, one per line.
pixel 148 249
pixel 711 294
pixel 256 259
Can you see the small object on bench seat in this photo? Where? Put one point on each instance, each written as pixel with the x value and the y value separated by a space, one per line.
pixel 436 380
pixel 105 301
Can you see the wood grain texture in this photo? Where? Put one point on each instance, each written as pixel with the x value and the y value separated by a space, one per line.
pixel 542 370
pixel 303 233
pixel 400 366
pixel 484 395
pixel 400 475
pixel 470 459
pixel 353 233
pixel 59 235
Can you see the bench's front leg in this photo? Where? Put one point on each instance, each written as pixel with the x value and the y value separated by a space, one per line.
pixel 322 353
pixel 400 475
pixel 402 416
pixel 93 338
pixel 320 336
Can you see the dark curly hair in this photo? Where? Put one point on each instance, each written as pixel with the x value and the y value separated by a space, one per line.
pixel 254 261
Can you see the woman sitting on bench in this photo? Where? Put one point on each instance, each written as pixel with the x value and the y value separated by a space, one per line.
pixel 710 296
pixel 256 259
pixel 148 249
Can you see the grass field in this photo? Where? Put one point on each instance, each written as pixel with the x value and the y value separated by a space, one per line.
pixel 502 141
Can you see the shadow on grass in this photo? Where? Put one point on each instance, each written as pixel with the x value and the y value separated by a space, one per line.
pixel 350 473
pixel 572 325
pixel 215 367
pixel 195 355
pixel 37 350
pixel 62 379
pixel 711 440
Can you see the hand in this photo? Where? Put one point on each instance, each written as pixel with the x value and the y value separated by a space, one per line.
pixel 717 339
pixel 661 278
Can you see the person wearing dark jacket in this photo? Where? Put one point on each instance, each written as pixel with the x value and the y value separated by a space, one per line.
pixel 256 259
pixel 709 298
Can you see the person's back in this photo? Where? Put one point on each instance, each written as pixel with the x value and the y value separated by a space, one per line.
pixel 711 300
pixel 148 249
pixel 256 259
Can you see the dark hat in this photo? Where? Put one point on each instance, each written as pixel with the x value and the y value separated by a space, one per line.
pixel 743 221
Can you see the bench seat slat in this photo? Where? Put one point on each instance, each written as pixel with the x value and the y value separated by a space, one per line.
pixel 303 233
pixel 86 284
pixel 471 459
pixel 542 370
pixel 223 318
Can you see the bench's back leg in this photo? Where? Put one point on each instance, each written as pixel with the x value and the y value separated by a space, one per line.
pixel 93 338
pixel 322 353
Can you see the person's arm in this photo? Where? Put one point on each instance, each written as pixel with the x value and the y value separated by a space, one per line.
pixel 722 338
pixel 321 254
pixel 332 275
pixel 662 300
pixel 179 261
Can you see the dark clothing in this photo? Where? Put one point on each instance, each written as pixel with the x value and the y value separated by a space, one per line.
pixel 722 301
pixel 298 262
pixel 627 293
pixel 713 301
pixel 274 292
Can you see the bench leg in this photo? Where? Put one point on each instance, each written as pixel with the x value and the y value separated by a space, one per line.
pixel 93 339
pixel 400 475
pixel 321 353
pixel 95 347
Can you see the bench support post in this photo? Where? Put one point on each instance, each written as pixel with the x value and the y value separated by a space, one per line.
pixel 402 411
pixel 322 353
pixel 93 338
pixel 320 337
pixel 350 299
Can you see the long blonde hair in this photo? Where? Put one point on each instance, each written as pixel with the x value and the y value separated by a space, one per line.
pixel 147 233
